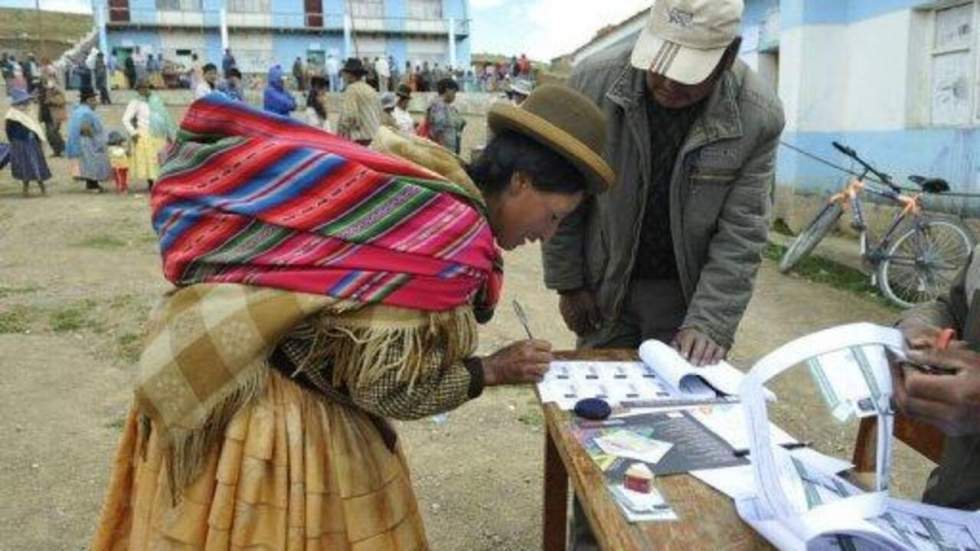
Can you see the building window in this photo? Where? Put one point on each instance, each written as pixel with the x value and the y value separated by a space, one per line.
pixel 425 9
pixel 249 6
pixel 953 65
pixel 367 8
pixel 179 5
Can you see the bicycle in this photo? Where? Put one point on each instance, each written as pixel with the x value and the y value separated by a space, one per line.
pixel 915 266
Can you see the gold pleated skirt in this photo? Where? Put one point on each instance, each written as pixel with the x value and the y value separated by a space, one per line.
pixel 294 472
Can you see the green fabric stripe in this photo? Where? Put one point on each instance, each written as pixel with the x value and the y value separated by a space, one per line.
pixel 384 291
pixel 250 242
pixel 189 156
pixel 368 208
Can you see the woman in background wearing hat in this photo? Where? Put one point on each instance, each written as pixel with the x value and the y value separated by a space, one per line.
pixel 403 119
pixel 341 288
pixel 25 135
pixel 443 119
pixel 86 143
pixel 360 111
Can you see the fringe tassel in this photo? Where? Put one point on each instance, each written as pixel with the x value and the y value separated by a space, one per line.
pixel 360 354
pixel 188 450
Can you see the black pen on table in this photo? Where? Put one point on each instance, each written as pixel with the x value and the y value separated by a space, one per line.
pixel 522 317
pixel 788 446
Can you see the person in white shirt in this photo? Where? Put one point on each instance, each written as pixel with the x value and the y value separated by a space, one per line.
pixel 150 128
pixel 403 119
pixel 208 82
pixel 332 65
pixel 384 73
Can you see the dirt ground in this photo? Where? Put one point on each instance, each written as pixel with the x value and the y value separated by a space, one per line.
pixel 79 272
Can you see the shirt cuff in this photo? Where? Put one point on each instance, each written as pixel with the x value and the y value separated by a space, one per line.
pixel 475 366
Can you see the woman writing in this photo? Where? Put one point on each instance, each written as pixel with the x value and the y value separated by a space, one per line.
pixel 323 288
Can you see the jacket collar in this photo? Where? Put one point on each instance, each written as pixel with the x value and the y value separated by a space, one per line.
pixel 720 119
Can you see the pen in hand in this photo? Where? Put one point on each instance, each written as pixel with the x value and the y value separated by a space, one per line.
pixel 522 317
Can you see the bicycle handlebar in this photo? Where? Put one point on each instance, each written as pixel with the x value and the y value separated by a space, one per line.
pixel 885 178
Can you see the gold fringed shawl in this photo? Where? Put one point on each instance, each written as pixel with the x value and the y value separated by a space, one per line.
pixel 208 344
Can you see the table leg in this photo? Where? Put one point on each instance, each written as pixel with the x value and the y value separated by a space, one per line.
pixel 555 497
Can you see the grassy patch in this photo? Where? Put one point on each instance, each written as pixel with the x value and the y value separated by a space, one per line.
pixel 531 418
pixel 14 320
pixel 101 242
pixel 8 291
pixel 74 317
pixel 122 301
pixel 129 346
pixel 820 270
pixel 116 424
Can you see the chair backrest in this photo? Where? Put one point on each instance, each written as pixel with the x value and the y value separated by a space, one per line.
pixel 921 437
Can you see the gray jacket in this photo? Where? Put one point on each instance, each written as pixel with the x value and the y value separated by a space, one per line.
pixel 720 196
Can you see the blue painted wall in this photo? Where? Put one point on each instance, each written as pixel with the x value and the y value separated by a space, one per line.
pixel 117 38
pixel 949 153
pixel 756 11
pixel 794 13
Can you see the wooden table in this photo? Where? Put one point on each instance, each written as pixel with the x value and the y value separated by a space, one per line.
pixel 707 518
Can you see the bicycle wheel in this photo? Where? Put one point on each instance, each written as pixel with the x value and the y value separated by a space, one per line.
pixel 810 236
pixel 924 261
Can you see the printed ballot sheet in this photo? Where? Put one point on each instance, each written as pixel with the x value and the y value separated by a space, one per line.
pixel 566 383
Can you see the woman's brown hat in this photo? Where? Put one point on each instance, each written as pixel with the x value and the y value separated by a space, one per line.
pixel 565 121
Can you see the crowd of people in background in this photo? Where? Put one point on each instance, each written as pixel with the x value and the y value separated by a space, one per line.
pixel 375 93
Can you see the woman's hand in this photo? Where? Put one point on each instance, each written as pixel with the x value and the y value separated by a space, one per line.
pixel 517 363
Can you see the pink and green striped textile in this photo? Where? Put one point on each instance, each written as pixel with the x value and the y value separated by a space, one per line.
pixel 259 199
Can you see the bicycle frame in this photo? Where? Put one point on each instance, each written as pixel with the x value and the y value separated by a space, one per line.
pixel 851 196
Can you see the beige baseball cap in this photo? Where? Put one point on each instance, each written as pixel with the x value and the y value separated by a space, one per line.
pixel 684 40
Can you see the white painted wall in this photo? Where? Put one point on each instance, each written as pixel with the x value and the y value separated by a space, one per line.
pixel 813 81
pixel 877 72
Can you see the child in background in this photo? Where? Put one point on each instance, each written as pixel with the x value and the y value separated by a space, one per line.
pixel 119 160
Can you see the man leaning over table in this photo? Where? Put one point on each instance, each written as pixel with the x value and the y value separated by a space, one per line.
pixel 671 251
pixel 950 402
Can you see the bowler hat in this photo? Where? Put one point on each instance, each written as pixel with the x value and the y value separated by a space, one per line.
pixel 404 91
pixel 565 121
pixel 19 96
pixel 354 66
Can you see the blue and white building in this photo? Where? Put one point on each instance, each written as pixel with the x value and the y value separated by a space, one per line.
pixel 897 80
pixel 262 33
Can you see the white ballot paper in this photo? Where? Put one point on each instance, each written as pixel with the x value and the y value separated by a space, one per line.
pixel 690 381
pixel 566 383
pixel 799 506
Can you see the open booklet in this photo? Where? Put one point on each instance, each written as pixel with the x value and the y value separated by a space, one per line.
pixel 663 377
pixel 688 380
pixel 798 505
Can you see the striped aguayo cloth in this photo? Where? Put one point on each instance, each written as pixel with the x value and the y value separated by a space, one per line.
pixel 249 197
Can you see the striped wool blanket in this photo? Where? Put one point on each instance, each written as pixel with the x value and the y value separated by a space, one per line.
pixel 249 197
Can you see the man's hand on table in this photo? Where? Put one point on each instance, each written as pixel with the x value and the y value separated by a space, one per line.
pixel 950 402
pixel 698 348
pixel 518 363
